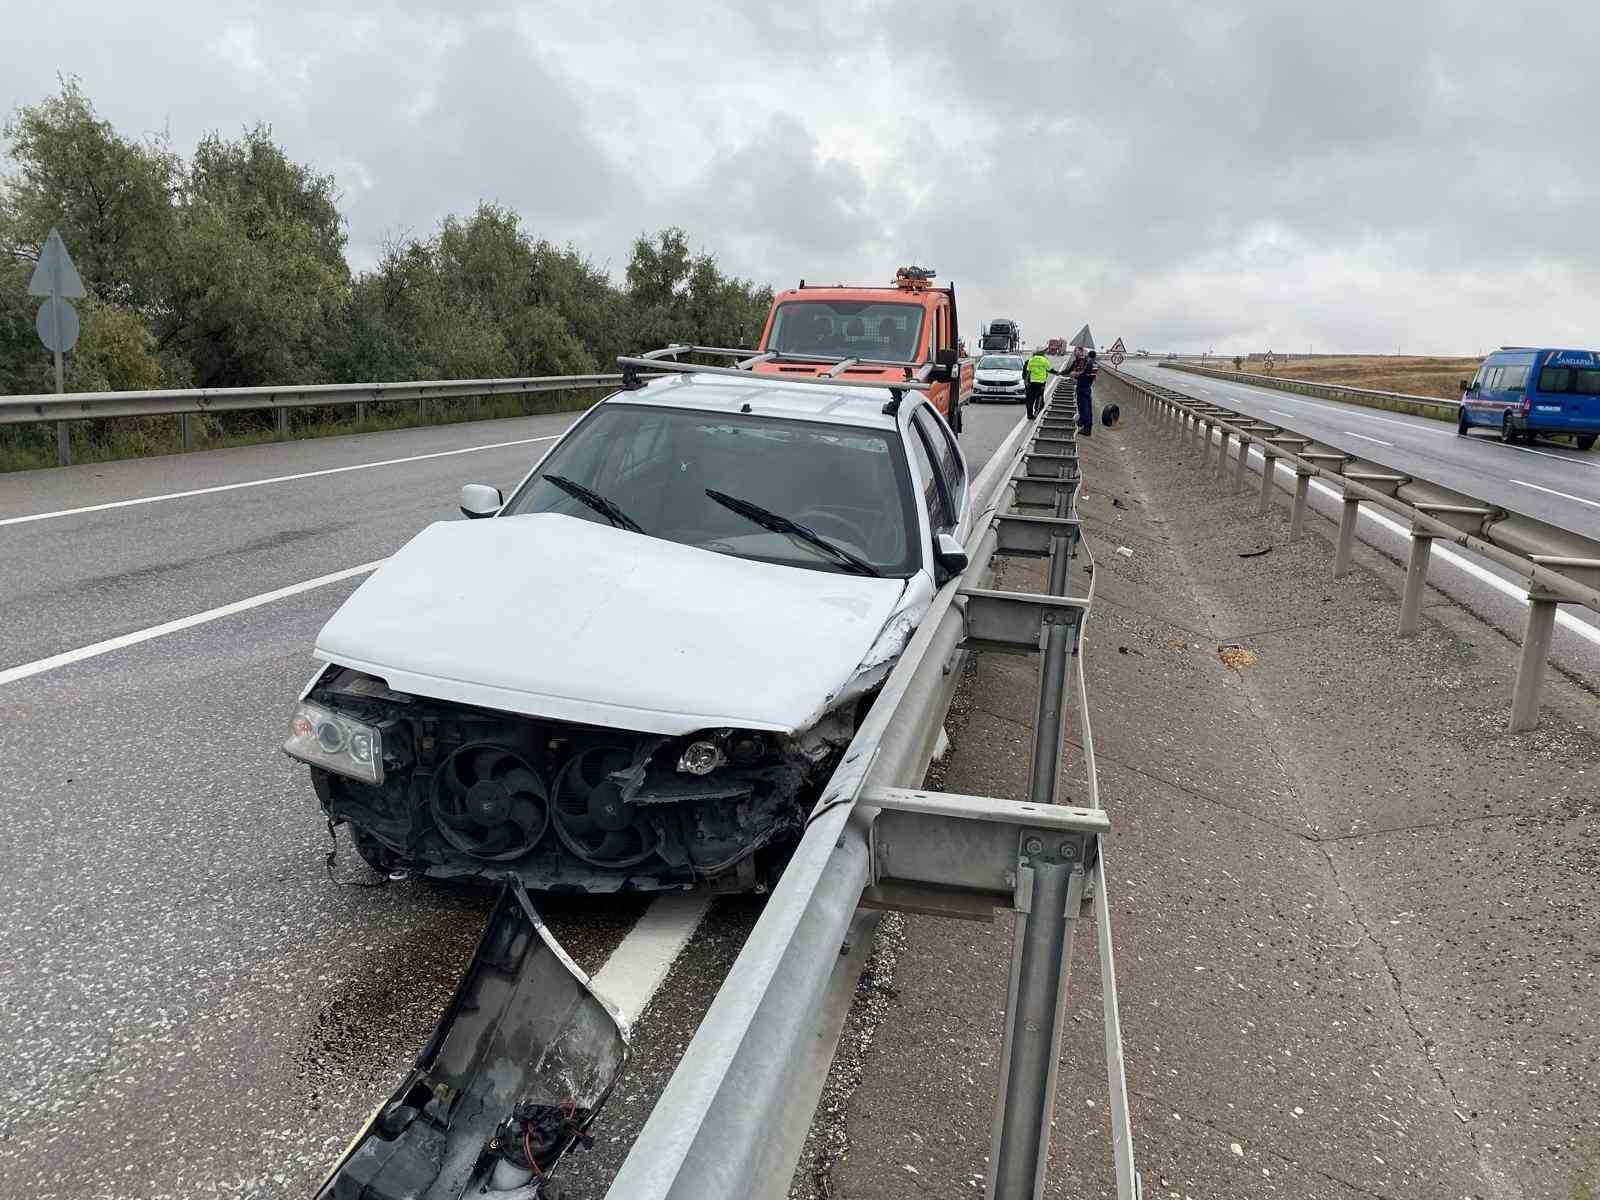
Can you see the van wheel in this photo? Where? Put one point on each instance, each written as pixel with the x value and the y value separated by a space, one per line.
pixel 1586 441
pixel 1508 434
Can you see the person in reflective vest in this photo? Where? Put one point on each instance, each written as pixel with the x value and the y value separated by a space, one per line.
pixel 1037 371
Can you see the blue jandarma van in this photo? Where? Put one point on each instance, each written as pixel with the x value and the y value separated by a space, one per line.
pixel 1522 393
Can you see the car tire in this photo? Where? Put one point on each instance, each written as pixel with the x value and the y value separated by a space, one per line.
pixel 1586 441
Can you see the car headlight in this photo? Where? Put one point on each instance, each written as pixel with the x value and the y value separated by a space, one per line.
pixel 335 742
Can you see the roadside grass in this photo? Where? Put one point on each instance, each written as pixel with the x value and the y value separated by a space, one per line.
pixel 31 447
pixel 1440 377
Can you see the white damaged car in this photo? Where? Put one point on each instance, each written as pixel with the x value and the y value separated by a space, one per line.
pixel 641 671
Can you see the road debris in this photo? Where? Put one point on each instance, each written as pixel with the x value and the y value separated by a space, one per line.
pixel 1236 656
pixel 1255 553
pixel 1125 552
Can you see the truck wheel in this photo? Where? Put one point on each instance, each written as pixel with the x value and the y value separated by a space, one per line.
pixel 1586 441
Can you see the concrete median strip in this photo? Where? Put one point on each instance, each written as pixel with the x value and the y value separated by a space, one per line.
pixel 95 649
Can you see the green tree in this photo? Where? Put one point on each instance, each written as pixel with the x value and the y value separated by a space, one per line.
pixel 111 197
pixel 258 287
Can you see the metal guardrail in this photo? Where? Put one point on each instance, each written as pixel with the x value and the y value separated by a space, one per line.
pixel 1432 406
pixel 1559 566
pixel 183 402
pixel 733 1118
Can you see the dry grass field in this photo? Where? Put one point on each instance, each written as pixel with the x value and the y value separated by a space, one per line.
pixel 1385 372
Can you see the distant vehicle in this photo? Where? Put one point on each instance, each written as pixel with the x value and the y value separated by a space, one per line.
pixel 905 330
pixel 999 377
pixel 1523 393
pixel 1056 347
pixel 1001 336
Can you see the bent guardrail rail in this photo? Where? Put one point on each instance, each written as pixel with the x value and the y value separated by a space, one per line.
pixel 1421 406
pixel 732 1120
pixel 1558 565
pixel 183 402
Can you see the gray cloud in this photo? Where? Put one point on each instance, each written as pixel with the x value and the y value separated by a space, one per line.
pixel 1239 174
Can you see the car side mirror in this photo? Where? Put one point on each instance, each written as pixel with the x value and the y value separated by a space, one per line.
pixel 944 365
pixel 480 500
pixel 949 558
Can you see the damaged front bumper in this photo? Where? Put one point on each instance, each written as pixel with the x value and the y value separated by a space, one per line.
pixel 455 792
pixel 511 1080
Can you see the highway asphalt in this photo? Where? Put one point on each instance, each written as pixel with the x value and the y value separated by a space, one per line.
pixel 1477 465
pixel 192 1004
pixel 1551 481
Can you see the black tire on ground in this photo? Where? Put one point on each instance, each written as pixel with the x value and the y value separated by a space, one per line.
pixel 1586 441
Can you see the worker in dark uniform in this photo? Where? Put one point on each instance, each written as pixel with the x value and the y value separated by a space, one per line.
pixel 1085 369
pixel 1037 371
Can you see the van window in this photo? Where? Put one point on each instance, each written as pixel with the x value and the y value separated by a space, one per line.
pixel 1492 379
pixel 1513 378
pixel 1584 381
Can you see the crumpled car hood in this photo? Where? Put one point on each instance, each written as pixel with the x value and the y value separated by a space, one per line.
pixel 559 617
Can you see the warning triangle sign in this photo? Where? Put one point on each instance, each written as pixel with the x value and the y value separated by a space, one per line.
pixel 1118 348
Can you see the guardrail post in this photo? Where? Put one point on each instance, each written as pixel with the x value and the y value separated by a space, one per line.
pixel 63 444
pixel 1205 443
pixel 1269 469
pixel 282 431
pixel 1297 514
pixel 1222 455
pixel 422 410
pixel 185 433
pixel 1243 464
pixel 1347 537
pixel 1416 577
pixel 1530 666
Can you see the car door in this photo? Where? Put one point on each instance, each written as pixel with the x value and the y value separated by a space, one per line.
pixel 951 464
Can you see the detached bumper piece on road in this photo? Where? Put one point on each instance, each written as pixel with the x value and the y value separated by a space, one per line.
pixel 510 1081
pixel 466 793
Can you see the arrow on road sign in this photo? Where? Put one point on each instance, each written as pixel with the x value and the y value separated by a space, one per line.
pixel 55 274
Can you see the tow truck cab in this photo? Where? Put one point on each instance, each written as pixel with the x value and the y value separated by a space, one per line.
pixel 907 330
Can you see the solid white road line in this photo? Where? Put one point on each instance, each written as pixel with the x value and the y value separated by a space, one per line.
pixel 1553 492
pixel 66 658
pixel 642 959
pixel 252 483
pixel 1583 629
pixel 1577 462
pixel 1365 438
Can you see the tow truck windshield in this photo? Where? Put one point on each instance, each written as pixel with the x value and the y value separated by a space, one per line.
pixel 847 329
pixel 846 485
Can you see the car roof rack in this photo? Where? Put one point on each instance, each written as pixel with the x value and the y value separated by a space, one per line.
pixel 666 359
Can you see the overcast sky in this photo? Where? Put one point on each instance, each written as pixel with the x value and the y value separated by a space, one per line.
pixel 1407 175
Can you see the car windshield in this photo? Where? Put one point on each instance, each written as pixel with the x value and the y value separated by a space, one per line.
pixel 847 329
pixel 1000 362
pixel 848 485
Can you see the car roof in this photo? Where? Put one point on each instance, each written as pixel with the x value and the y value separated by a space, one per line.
pixel 768 396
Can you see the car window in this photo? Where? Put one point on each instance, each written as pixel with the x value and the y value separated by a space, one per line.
pixel 848 484
pixel 950 464
pixel 932 483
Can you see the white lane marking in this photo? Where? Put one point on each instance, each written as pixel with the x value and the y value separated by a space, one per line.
pixel 1350 410
pixel 1583 629
pixel 642 959
pixel 95 649
pixel 1553 492
pixel 1278 412
pixel 1365 438
pixel 1558 457
pixel 251 483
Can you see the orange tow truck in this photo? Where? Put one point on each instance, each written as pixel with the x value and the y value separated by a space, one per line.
pixel 905 331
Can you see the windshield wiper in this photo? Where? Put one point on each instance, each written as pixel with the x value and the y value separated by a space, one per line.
pixel 768 519
pixel 596 501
